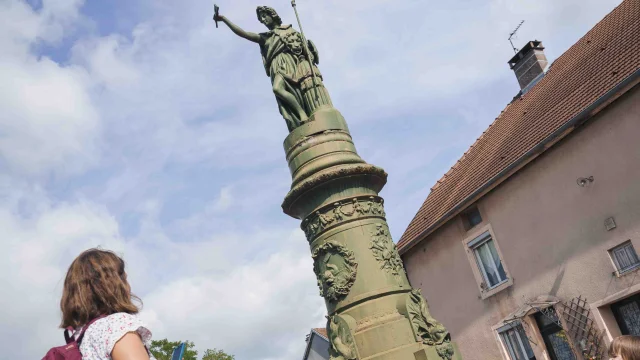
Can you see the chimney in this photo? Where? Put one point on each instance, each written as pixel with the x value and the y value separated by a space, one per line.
pixel 529 64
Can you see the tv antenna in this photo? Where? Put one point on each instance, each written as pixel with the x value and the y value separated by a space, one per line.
pixel 513 34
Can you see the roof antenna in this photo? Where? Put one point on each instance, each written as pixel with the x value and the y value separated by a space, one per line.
pixel 512 34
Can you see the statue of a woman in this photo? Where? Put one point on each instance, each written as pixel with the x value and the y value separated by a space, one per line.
pixel 283 55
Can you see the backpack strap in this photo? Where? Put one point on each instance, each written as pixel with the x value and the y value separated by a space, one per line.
pixel 68 333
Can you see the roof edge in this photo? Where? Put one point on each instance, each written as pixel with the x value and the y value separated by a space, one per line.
pixel 614 93
pixel 319 334
pixel 308 347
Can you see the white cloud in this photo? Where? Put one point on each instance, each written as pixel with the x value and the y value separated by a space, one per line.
pixel 254 309
pixel 108 62
pixel 39 240
pixel 47 121
pixel 188 289
pixel 24 26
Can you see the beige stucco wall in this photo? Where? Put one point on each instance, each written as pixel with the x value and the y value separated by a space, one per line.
pixel 550 231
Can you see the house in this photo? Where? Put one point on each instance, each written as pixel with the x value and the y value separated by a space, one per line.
pixel 317 345
pixel 527 248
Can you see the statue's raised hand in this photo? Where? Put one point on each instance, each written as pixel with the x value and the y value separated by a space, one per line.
pixel 216 14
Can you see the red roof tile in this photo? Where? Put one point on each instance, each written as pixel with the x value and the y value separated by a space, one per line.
pixel 607 55
pixel 322 332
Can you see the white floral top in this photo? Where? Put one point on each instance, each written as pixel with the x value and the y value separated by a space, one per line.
pixel 102 335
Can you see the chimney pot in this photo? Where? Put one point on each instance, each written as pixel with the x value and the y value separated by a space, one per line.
pixel 529 64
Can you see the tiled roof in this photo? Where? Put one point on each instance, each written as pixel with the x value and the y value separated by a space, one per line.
pixel 601 60
pixel 322 332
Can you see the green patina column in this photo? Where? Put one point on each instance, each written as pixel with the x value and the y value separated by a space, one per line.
pixel 373 313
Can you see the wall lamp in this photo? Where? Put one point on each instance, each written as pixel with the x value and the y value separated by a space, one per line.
pixel 582 182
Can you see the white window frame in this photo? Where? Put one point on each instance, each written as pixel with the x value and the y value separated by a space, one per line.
pixel 483 240
pixel 619 271
pixel 476 239
pixel 501 333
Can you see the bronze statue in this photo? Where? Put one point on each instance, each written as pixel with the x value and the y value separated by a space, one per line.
pixel 290 63
pixel 373 311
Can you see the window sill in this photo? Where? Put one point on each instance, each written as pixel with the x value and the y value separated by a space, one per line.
pixel 484 294
pixel 630 269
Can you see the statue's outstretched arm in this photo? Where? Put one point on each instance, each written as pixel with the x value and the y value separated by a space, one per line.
pixel 239 31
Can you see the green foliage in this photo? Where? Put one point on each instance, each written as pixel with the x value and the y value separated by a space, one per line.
pixel 216 354
pixel 162 349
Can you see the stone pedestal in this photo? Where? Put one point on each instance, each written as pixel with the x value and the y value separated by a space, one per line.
pixel 372 311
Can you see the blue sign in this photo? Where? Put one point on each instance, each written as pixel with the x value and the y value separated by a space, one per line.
pixel 178 352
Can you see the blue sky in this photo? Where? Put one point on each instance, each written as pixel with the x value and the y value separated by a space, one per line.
pixel 139 127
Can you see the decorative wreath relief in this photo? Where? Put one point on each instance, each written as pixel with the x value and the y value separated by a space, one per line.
pixel 385 251
pixel 335 267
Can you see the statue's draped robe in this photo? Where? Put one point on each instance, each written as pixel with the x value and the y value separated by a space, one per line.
pixel 278 60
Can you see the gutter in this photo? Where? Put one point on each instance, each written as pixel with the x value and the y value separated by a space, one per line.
pixel 604 100
pixel 308 348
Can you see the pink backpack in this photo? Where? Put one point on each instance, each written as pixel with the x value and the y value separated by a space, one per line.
pixel 71 351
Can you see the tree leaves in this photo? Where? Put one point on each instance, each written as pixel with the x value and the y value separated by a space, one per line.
pixel 163 349
pixel 216 354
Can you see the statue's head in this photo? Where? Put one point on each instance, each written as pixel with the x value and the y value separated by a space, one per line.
pixel 268 16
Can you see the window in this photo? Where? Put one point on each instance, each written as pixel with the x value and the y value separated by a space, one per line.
pixel 488 267
pixel 488 260
pixel 555 338
pixel 624 257
pixel 471 218
pixel 516 342
pixel 627 315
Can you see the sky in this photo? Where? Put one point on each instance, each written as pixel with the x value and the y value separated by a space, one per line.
pixel 137 126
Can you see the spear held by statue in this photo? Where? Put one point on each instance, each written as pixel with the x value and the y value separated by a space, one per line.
pixel 306 50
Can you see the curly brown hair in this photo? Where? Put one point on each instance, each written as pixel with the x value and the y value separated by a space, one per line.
pixel 96 284
pixel 626 346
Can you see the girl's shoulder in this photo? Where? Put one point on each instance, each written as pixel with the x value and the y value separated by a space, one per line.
pixel 117 318
pixel 103 334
